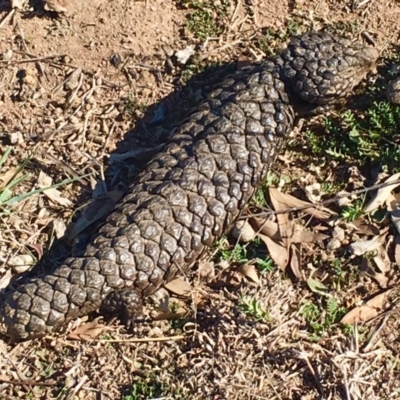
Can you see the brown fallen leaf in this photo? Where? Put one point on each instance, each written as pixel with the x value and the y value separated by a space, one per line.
pixel 359 314
pixel 321 213
pixel 295 262
pixel 266 227
pixel 382 194
pixel 393 206
pixel 6 177
pixel 278 252
pixel 96 210
pixel 369 310
pixel 367 269
pixel 305 236
pixel 5 279
pixel 397 250
pixel 249 270
pixel 179 287
pixel 53 194
pixel 284 223
pixel 364 227
pixel 89 331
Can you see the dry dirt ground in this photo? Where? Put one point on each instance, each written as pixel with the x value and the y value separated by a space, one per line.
pixel 86 96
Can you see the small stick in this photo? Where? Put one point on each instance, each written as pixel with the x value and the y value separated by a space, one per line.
pixel 28 60
pixel 7 18
pixel 29 382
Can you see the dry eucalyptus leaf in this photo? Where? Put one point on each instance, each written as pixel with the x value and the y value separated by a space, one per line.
pixel 179 287
pixel 393 204
pixel 88 331
pixel 290 201
pixel 96 210
pixel 364 246
pixel 249 270
pixel 382 260
pixel 364 227
pixel 284 223
pixel 59 227
pixel 305 236
pixel 5 279
pixel 52 193
pixel 369 310
pixel 295 262
pixel 7 176
pixel 267 227
pixel 379 301
pixel 243 231
pixel 378 276
pixel 278 252
pixel 397 250
pixel 359 314
pixel 382 194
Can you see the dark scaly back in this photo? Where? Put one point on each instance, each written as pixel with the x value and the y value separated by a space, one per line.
pixel 187 196
pixel 321 68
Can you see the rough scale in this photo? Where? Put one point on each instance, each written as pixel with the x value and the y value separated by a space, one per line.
pixel 193 191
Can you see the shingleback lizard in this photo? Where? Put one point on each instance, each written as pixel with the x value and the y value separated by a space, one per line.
pixel 192 191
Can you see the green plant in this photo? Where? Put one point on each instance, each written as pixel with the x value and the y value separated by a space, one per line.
pixel 363 138
pixel 320 320
pixel 354 211
pixel 207 18
pixel 253 308
pixel 265 265
pixel 237 254
pixel 152 388
pixel 7 199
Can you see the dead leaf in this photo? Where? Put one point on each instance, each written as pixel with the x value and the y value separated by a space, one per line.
pixel 5 279
pixel 295 262
pixel 366 268
pixel 305 236
pixel 249 270
pixel 379 301
pixel 364 246
pixel 38 248
pixel 369 310
pixel 397 250
pixel 382 194
pixel 267 227
pixel 97 209
pixel 7 176
pixel 393 204
pixel 59 227
pixel 21 263
pixel 179 287
pixel 359 314
pixel 364 227
pixel 284 223
pixel 243 231
pixel 278 252
pixel 88 331
pixel 321 213
pixel 53 194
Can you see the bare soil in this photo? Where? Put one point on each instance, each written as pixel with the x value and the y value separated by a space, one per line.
pixel 92 92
